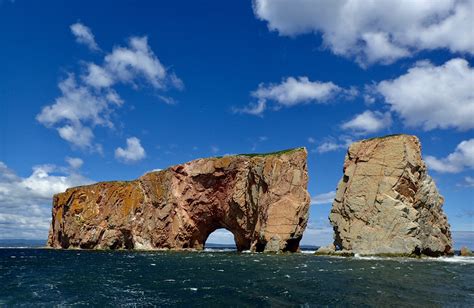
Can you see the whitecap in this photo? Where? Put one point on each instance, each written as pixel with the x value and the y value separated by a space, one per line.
pixel 454 259
pixel 220 249
pixel 359 257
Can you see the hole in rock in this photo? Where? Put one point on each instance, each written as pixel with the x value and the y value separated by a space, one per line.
pixel 220 239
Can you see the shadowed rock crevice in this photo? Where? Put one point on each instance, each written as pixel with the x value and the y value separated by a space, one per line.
pixel 261 199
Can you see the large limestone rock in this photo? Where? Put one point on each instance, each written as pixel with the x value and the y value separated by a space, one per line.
pixel 261 199
pixel 386 203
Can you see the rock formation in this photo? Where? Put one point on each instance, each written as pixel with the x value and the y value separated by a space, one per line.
pixel 261 199
pixel 466 252
pixel 386 203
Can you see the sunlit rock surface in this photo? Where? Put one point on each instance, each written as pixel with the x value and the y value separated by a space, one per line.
pixel 262 199
pixel 386 203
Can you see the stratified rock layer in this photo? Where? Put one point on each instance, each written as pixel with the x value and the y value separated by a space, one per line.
pixel 386 203
pixel 261 199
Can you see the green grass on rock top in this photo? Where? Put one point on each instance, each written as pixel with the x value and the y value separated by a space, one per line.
pixel 266 154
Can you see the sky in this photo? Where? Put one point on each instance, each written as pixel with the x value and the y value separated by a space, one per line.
pixel 108 90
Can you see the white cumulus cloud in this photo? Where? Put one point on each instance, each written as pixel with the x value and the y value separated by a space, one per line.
pixel 89 101
pixel 325 198
pixel 256 109
pixel 430 96
pixel 98 77
pixel 84 35
pixel 292 91
pixel 132 153
pixel 74 162
pixel 334 145
pixel 77 110
pixel 468 181
pixel 461 159
pixel 368 122
pixel 375 31
pixel 127 64
pixel 25 203
pixel 221 236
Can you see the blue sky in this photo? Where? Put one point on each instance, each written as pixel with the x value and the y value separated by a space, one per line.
pixel 94 91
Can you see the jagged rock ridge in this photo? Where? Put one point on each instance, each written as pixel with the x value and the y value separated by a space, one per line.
pixel 261 199
pixel 386 203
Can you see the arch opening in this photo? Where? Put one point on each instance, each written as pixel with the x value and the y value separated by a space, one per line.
pixel 221 238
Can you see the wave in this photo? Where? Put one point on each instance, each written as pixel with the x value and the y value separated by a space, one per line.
pixel 220 249
pixel 453 259
pixel 212 249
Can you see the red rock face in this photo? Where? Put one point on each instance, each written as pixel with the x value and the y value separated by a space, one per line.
pixel 261 199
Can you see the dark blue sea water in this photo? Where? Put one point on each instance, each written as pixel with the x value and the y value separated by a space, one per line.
pixel 40 277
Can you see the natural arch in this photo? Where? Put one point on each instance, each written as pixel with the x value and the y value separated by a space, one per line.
pixel 261 199
pixel 220 237
pixel 209 223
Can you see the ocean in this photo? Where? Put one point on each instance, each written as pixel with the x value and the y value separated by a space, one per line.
pixel 223 277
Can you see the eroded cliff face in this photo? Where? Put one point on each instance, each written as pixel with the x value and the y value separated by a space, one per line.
pixel 386 203
pixel 261 199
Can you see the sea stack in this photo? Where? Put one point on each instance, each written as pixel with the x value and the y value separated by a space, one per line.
pixel 387 204
pixel 261 198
